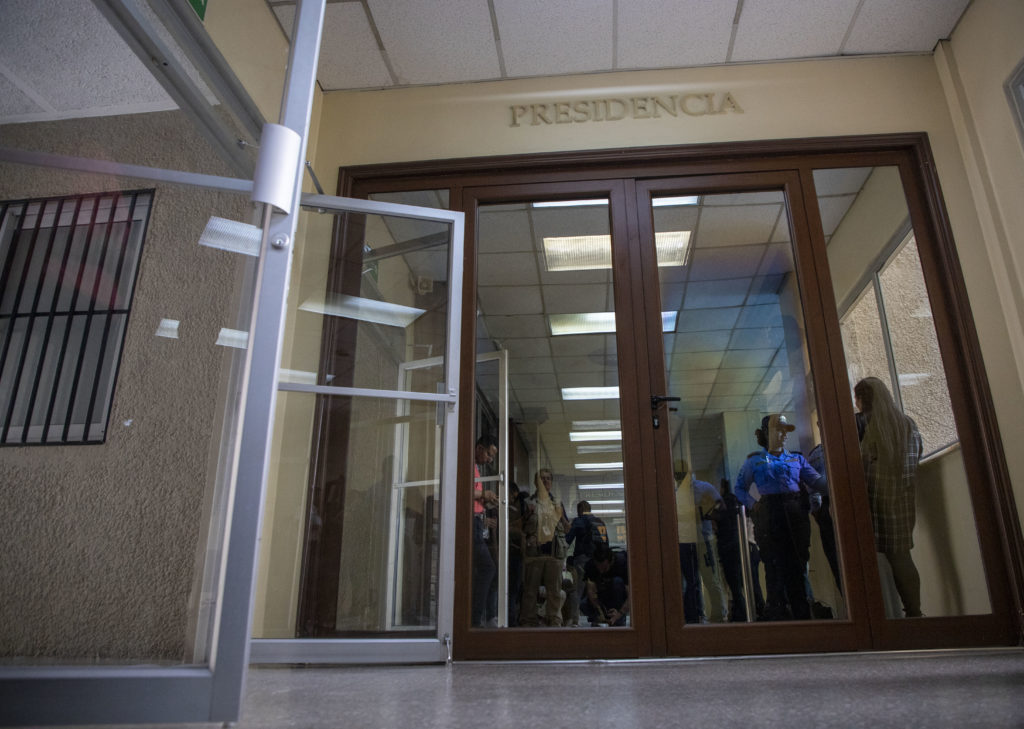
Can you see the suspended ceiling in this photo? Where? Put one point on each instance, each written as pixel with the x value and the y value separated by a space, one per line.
pixel 60 58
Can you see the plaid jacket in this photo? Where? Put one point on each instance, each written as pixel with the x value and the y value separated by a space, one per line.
pixel 891 494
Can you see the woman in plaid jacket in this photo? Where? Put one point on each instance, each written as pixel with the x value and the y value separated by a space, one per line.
pixel 891 449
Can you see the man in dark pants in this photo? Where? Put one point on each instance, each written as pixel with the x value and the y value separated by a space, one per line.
pixel 485 572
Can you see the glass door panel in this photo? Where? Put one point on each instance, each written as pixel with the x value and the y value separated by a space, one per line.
pixel 929 558
pixel 356 555
pixel 546 297
pixel 755 531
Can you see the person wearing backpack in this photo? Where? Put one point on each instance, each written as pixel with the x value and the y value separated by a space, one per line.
pixel 586 532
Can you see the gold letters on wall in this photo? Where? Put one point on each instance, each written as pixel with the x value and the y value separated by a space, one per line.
pixel 637 107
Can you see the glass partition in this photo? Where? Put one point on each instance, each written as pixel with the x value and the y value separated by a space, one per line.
pixel 545 297
pixel 755 527
pixel 925 534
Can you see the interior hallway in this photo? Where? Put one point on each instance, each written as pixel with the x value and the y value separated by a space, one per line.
pixel 909 689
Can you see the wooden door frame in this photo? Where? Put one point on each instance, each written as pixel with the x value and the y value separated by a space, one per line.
pixel 988 477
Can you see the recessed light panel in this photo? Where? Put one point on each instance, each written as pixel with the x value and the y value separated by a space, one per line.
pixel 595 435
pixel 590 393
pixel 594 252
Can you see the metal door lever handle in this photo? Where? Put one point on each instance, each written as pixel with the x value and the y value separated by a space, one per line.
pixel 657 400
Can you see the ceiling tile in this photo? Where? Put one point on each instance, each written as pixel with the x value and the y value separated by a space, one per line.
pixel 707 319
pixel 581 299
pixel 441 41
pixel 673 33
pixel 765 290
pixel 582 364
pixel 675 217
pixel 583 344
pixel 72 59
pixel 883 26
pixel 602 378
pixel 539 37
pixel 672 295
pixel 504 327
pixel 508 300
pixel 748 358
pixel 501 231
pixel 708 341
pixel 741 225
pixel 530 364
pixel 696 361
pixel 533 380
pixel 512 269
pixel 349 55
pixel 684 377
pixel 724 262
pixel 744 198
pixel 691 390
pixel 733 389
pixel 741 374
pixel 778 260
pixel 728 404
pixel 772 29
pixel 538 395
pixel 765 315
pixel 764 338
pixel 715 294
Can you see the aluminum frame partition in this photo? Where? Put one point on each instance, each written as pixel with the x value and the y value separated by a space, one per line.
pixel 40 695
pixel 399 649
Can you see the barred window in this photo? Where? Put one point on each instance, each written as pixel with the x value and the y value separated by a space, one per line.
pixel 67 275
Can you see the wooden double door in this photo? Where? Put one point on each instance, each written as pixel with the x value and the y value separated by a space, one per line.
pixel 649 323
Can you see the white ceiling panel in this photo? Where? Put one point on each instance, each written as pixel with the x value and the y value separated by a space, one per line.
pixel 733 389
pixel 653 33
pixel 349 55
pixel 696 361
pixel 765 289
pixel 724 262
pixel 540 37
pixel 728 404
pixel 778 260
pixel 706 319
pixel 756 338
pixel 773 29
pixel 583 345
pixel 884 26
pixel 572 298
pixel 422 47
pixel 529 365
pixel 741 374
pixel 713 341
pixel 509 300
pixel 503 231
pixel 580 364
pixel 504 327
pixel 605 378
pixel 96 68
pixel 534 396
pixel 692 390
pixel 731 226
pixel 512 269
pixel 716 294
pixel 702 377
pixel 585 220
pixel 520 381
pixel 526 346
pixel 748 358
pixel 767 197
pixel 766 315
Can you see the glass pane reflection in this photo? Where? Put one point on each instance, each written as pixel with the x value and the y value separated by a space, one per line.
pixel 925 534
pixel 545 296
pixel 737 361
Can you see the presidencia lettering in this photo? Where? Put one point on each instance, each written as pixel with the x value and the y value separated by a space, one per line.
pixel 611 109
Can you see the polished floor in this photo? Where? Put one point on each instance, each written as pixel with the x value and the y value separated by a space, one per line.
pixel 912 689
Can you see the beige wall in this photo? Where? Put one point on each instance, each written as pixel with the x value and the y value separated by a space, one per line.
pixel 781 100
pixel 102 542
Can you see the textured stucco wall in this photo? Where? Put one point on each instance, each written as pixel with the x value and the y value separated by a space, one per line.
pixel 101 541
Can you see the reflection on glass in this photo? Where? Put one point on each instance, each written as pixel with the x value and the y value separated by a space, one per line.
pixel 553 552
pixel 350 537
pixel 737 361
pixel 924 530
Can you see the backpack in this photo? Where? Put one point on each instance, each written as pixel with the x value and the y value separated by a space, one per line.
pixel 596 533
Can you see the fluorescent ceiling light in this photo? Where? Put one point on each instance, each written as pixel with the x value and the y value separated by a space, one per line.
pixel 568 203
pixel 607 511
pixel 598 322
pixel 590 393
pixel 596 425
pixel 594 252
pixel 599 466
pixel 168 328
pixel 233 338
pixel 361 309
pixel 591 435
pixel 230 235
pixel 596 486
pixel 605 502
pixel 609 448
pixel 660 202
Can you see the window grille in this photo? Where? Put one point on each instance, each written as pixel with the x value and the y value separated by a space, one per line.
pixel 67 275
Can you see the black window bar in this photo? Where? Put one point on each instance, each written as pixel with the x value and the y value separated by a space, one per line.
pixel 67 277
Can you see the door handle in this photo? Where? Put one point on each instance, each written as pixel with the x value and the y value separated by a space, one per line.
pixel 657 400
